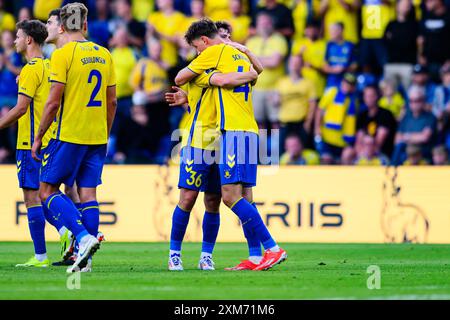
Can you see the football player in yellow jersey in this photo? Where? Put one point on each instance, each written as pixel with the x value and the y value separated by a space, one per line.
pixel 58 37
pixel 239 131
pixel 78 147
pixel 32 94
pixel 198 171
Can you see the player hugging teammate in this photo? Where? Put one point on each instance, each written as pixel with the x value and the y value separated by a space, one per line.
pixel 219 94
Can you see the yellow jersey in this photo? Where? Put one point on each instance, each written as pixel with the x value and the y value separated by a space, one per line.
pixel 142 8
pixel 375 16
pixel 7 21
pixel 337 13
pixel 313 52
pixel 200 127
pixel 173 25
pixel 395 105
pixel 240 26
pixel 234 106
pixel 276 43
pixel 124 61
pixel 295 98
pixel 42 8
pixel 218 9
pixel 86 69
pixel 33 83
pixel 339 120
pixel 149 76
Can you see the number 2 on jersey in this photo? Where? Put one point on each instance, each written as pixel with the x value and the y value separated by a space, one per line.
pixel 92 102
pixel 245 88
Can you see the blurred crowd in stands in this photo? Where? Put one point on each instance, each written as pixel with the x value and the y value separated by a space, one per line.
pixel 363 82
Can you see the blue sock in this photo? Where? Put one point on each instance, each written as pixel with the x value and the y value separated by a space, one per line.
pixel 53 220
pixel 70 216
pixel 254 246
pixel 211 224
pixel 249 215
pixel 180 220
pixel 79 208
pixel 36 223
pixel 90 215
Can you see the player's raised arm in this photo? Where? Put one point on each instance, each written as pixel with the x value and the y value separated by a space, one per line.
pixel 15 113
pixel 50 110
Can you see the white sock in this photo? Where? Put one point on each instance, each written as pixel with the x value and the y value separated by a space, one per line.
pixel 62 231
pixel 205 254
pixel 172 252
pixel 255 259
pixel 41 257
pixel 275 249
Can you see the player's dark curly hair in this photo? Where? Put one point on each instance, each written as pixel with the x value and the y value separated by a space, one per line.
pixel 224 25
pixel 57 13
pixel 35 29
pixel 204 27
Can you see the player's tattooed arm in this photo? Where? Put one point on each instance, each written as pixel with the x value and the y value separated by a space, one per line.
pixel 177 98
pixel 233 79
pixel 184 76
pixel 15 113
pixel 50 110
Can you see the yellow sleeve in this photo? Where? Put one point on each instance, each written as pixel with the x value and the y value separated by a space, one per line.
pixel 59 66
pixel 327 98
pixel 208 59
pixel 28 81
pixel 203 80
pixel 112 73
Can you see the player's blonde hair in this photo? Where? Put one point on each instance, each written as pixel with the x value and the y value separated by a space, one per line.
pixel 73 16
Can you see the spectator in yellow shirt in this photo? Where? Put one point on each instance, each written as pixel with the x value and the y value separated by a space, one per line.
pixel 375 16
pixel 240 22
pixel 150 81
pixel 124 58
pixel 343 11
pixel 296 155
pixel 169 25
pixel 270 48
pixel 297 100
pixel 7 21
pixel 217 9
pixel 312 49
pixel 391 99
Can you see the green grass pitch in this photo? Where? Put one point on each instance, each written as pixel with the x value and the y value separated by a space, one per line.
pixel 312 271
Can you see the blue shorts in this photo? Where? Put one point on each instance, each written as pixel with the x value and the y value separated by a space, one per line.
pixel 65 162
pixel 198 174
pixel 27 170
pixel 238 158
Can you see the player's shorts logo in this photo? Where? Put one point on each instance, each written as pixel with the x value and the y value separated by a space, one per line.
pixel 227 174
pixel 231 160
pixel 45 159
pixel 19 163
pixel 401 221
